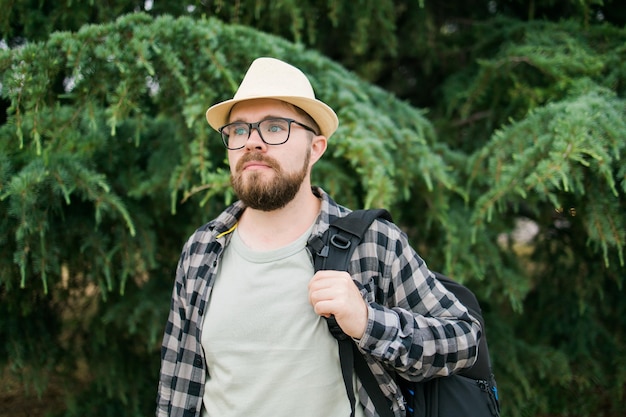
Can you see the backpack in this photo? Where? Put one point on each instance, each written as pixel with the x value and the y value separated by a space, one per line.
pixel 470 393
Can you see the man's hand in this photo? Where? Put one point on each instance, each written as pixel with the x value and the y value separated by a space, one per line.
pixel 334 293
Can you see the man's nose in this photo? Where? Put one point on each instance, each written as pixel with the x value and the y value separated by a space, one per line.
pixel 254 140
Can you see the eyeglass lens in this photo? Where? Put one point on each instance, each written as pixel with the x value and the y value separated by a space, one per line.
pixel 272 131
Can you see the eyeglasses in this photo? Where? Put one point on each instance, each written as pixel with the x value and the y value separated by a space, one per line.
pixel 272 131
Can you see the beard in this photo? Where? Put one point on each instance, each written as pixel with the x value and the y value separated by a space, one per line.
pixel 267 194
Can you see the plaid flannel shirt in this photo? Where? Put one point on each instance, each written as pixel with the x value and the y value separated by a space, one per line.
pixel 415 326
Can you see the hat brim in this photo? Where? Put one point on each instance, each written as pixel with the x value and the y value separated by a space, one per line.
pixel 218 114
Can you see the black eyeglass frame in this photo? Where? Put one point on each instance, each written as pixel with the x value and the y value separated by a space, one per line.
pixel 253 126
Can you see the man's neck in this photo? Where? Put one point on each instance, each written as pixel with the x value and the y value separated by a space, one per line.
pixel 267 230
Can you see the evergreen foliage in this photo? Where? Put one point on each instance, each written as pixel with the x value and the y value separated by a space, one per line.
pixel 544 108
pixel 111 165
pixel 107 165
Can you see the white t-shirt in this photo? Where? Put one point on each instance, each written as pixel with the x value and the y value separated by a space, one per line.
pixel 268 354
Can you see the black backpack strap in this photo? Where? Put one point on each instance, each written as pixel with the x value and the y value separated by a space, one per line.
pixel 342 237
pixel 333 252
pixel 370 383
pixel 346 360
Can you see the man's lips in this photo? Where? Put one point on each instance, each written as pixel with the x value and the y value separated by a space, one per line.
pixel 254 162
pixel 252 165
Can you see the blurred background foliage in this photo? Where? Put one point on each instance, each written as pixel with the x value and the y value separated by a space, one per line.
pixel 493 130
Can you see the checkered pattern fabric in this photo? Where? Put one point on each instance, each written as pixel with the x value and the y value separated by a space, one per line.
pixel 415 326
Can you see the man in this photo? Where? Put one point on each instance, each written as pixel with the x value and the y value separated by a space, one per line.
pixel 246 333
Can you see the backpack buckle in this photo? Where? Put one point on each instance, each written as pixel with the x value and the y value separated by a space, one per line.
pixel 340 241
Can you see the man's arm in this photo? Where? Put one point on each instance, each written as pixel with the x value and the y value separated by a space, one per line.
pixel 171 346
pixel 414 325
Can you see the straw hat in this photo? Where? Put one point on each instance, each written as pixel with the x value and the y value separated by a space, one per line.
pixel 272 78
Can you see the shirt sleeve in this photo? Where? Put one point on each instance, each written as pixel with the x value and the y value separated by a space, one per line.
pixel 415 325
pixel 171 345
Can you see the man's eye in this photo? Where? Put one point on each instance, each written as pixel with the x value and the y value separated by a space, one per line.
pixel 239 131
pixel 275 128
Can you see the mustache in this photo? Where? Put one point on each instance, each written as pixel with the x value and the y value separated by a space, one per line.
pixel 257 157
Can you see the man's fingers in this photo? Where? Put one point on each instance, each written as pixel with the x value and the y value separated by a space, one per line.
pixel 334 293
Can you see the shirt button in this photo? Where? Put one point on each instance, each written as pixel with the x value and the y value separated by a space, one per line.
pixel 198 362
pixel 200 312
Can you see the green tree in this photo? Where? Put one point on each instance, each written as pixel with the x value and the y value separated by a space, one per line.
pixel 106 165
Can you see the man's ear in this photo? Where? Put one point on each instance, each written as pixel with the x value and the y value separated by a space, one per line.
pixel 318 147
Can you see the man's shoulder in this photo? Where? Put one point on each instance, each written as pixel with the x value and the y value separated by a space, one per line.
pixel 331 211
pixel 220 226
